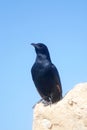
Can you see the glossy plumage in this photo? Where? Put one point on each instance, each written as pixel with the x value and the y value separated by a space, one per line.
pixel 45 75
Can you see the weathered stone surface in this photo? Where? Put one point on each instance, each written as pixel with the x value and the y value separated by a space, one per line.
pixel 68 114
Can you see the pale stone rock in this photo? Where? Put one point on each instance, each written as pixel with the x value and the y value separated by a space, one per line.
pixel 68 114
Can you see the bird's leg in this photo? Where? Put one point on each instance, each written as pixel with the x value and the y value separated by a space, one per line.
pixel 50 101
pixel 37 103
pixel 47 101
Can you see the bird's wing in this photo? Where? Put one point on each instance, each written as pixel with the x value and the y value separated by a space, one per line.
pixel 56 76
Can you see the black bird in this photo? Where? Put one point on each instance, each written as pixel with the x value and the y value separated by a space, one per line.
pixel 45 75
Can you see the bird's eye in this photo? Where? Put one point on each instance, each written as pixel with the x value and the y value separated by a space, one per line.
pixel 41 46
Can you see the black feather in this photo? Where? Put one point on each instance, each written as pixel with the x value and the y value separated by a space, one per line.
pixel 45 75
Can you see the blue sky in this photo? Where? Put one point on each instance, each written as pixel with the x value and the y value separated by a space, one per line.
pixel 62 26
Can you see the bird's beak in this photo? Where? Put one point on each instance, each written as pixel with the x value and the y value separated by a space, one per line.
pixel 34 45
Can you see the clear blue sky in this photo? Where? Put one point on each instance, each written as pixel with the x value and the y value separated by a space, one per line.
pixel 62 26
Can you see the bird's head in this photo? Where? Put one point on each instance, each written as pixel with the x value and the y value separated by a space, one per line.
pixel 41 49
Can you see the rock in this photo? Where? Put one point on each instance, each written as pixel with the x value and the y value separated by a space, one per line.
pixel 68 114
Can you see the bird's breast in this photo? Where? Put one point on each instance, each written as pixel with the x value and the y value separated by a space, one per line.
pixel 39 73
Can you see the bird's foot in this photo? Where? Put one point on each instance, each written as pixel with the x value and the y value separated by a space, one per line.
pixel 37 103
pixel 46 103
